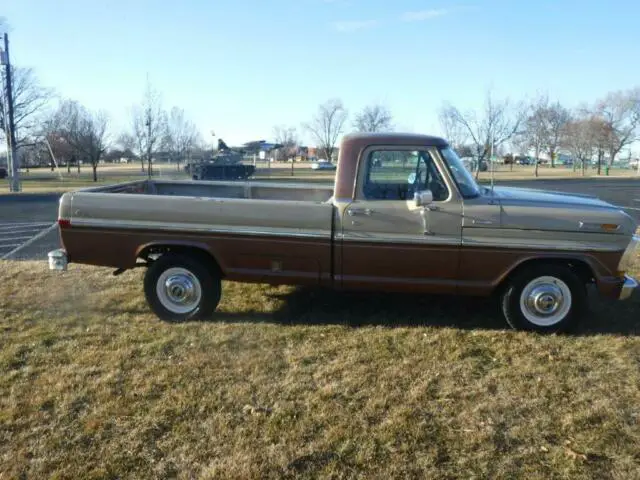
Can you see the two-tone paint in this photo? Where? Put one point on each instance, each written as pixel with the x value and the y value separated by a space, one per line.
pixel 333 236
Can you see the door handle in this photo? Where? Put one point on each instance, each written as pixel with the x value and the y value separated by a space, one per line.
pixel 432 208
pixel 359 211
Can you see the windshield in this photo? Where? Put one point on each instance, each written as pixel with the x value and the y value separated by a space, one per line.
pixel 463 177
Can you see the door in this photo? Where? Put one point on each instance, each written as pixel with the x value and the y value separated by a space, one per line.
pixel 388 242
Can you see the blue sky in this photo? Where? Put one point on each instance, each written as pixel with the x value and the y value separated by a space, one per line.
pixel 242 66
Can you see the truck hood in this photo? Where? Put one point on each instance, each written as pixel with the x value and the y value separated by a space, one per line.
pixel 532 209
pixel 514 195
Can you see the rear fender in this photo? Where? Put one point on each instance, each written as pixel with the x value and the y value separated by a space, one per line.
pixel 142 250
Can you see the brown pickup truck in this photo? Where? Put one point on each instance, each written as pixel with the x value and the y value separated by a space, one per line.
pixel 404 215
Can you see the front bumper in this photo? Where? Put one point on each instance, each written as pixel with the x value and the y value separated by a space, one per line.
pixel 629 285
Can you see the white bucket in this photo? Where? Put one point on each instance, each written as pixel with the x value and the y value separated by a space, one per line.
pixel 58 260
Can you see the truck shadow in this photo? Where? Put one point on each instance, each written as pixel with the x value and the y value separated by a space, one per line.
pixel 313 306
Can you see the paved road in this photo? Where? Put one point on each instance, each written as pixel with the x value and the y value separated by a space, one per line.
pixel 28 230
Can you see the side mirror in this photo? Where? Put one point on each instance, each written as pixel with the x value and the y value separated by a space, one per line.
pixel 423 198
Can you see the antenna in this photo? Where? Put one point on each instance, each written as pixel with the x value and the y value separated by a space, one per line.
pixel 491 162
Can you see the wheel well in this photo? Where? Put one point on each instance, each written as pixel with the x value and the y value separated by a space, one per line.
pixel 579 267
pixel 150 253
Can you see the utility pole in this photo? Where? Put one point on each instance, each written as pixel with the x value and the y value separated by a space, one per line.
pixel 14 166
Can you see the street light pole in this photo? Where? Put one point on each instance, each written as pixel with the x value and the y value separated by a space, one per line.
pixel 14 166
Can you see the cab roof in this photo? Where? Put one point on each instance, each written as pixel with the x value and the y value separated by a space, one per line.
pixel 395 138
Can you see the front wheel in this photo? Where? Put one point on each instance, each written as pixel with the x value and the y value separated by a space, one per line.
pixel 545 298
pixel 178 288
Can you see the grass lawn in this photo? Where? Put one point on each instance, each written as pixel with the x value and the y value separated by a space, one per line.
pixel 298 383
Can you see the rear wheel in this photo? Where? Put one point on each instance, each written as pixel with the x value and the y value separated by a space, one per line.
pixel 178 287
pixel 544 298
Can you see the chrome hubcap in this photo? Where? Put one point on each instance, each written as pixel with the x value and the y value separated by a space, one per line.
pixel 178 290
pixel 545 301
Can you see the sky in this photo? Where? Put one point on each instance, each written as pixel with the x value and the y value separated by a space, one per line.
pixel 240 67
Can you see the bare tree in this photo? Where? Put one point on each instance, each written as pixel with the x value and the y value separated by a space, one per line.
pixel 600 133
pixel 543 128
pixel 139 135
pixel 496 123
pixel 578 139
pixel 374 118
pixel 327 125
pixel 535 129
pixel 557 118
pixel 288 138
pixel 455 133
pixel 30 100
pixel 127 142
pixel 620 111
pixel 84 131
pixel 59 148
pixel 52 136
pixel 181 136
pixel 149 125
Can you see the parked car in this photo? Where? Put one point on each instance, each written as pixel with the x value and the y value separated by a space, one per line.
pixel 421 224
pixel 3 172
pixel 323 165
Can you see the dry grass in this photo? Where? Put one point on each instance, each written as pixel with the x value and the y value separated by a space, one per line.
pixel 306 384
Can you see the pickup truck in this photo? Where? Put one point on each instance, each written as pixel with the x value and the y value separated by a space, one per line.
pixel 402 215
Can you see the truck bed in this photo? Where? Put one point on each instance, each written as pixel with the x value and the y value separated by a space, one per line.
pixel 307 192
pixel 256 230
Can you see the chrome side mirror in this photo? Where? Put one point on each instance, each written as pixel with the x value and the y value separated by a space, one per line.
pixel 423 198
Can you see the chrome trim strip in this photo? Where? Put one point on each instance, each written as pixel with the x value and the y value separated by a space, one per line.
pixel 418 240
pixel 471 243
pixel 141 225
pixel 538 244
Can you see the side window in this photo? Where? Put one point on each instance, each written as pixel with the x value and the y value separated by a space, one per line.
pixel 398 174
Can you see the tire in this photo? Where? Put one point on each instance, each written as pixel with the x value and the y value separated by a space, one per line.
pixel 529 301
pixel 180 287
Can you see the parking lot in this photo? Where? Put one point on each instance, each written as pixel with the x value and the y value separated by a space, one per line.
pixel 28 230
pixel 27 226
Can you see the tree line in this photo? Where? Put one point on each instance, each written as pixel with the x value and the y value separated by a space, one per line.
pixel 600 130
pixel 50 126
